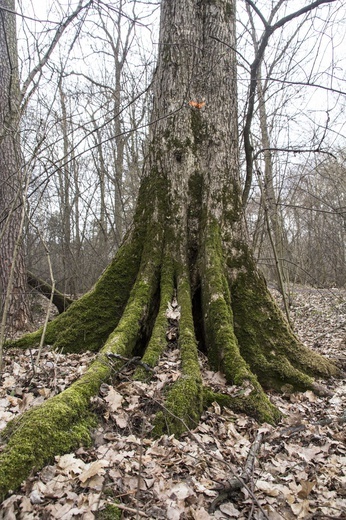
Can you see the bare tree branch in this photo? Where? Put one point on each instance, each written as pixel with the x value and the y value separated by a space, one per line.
pixel 269 30
pixel 293 150
pixel 59 32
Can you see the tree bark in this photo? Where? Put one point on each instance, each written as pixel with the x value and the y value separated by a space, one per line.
pixel 189 239
pixel 11 179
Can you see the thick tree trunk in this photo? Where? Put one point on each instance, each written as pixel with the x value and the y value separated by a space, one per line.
pixel 188 239
pixel 12 268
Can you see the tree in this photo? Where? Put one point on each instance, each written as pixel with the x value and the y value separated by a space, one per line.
pixel 88 161
pixel 13 182
pixel 188 241
pixel 15 307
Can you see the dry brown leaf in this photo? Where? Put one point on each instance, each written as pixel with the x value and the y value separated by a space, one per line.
pixel 181 491
pixel 173 513
pixel 95 468
pixel 301 510
pixel 229 510
pixel 200 514
pixel 68 463
pixel 122 419
pixel 311 397
pixel 306 488
pixel 114 399
pixel 267 487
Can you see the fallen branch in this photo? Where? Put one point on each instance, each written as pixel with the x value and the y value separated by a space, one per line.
pixel 129 361
pixel 61 301
pixel 237 482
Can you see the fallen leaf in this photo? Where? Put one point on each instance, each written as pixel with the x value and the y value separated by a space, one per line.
pixel 122 420
pixel 301 509
pixel 68 463
pixel 181 491
pixel 95 468
pixel 229 510
pixel 267 488
pixel 114 399
pixel 306 486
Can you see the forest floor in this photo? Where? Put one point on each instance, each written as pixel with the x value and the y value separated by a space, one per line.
pixel 299 467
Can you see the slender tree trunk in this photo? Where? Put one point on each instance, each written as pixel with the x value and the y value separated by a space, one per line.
pixel 65 178
pixel 188 240
pixel 11 181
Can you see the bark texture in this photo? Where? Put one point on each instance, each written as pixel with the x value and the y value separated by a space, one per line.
pixel 188 237
pixel 11 182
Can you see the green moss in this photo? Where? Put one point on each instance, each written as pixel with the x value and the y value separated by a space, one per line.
pixel 199 129
pixel 223 350
pixel 158 341
pixel 173 143
pixel 183 407
pixel 229 11
pixel 266 343
pixel 184 403
pixel 58 426
pixel 63 422
pixel 256 404
pixel 110 512
pixel 89 321
pixel 221 338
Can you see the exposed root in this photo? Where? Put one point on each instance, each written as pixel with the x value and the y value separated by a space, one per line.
pixel 157 340
pixel 184 403
pixel 87 323
pixel 272 351
pixel 64 421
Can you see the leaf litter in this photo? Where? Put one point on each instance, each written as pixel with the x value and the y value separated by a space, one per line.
pixel 300 468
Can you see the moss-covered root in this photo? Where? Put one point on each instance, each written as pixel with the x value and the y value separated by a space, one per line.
pixel 57 426
pixel 63 421
pixel 256 404
pixel 273 352
pixel 184 403
pixel 222 343
pixel 88 322
pixel 157 340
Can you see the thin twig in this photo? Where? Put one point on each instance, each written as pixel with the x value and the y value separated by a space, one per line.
pixel 131 510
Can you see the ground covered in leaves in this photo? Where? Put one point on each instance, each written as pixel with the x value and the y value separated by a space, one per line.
pixel 299 468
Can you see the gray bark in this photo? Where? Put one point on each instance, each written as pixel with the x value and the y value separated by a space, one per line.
pixel 11 181
pixel 199 67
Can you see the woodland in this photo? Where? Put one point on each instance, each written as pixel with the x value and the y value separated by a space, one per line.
pixel 172 260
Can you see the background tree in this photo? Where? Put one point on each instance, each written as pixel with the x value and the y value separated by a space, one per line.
pixel 292 73
pixel 105 101
pixel 188 242
pixel 13 102
pixel 14 304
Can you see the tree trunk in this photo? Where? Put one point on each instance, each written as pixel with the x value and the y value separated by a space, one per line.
pixel 13 286
pixel 189 239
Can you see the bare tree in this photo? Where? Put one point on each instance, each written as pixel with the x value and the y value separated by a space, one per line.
pixel 95 154
pixel 13 102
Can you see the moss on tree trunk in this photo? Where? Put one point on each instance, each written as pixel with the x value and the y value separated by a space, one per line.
pixel 188 239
